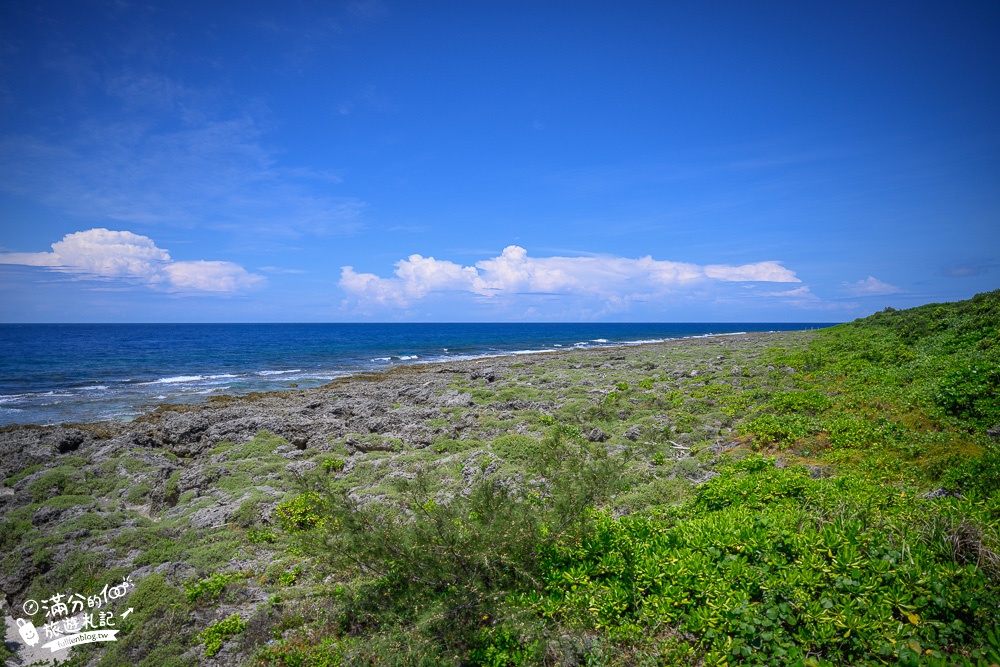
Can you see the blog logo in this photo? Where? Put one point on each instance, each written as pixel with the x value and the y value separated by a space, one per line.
pixel 73 618
pixel 28 632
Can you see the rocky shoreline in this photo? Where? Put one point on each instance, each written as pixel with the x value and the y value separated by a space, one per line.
pixel 81 501
pixel 310 417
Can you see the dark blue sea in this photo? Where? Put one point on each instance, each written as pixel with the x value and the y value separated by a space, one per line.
pixel 55 373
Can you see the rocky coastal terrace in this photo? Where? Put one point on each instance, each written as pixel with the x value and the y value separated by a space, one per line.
pixel 827 497
pixel 188 492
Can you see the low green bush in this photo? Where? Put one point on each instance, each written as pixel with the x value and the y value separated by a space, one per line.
pixel 334 465
pixel 971 390
pixel 515 448
pixel 768 566
pixel 157 633
pixel 212 586
pixel 435 571
pixel 216 634
pixel 300 513
pixel 777 429
pixel 261 536
pixel 59 481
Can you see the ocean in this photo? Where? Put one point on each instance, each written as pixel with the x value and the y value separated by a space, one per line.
pixel 57 373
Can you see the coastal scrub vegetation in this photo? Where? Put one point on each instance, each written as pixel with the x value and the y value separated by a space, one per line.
pixel 803 498
pixel 852 519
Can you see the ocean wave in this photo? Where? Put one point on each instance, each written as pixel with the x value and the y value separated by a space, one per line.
pixel 407 357
pixel 456 357
pixel 713 335
pixel 176 379
pixel 186 379
pixel 294 370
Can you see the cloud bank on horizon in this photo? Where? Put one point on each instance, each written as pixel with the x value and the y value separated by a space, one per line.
pixel 122 255
pixel 597 285
pixel 514 273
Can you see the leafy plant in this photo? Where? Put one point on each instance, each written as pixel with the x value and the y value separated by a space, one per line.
pixel 972 390
pixel 216 634
pixel 777 429
pixel 334 465
pixel 212 586
pixel 300 513
pixel 261 536
pixel 289 577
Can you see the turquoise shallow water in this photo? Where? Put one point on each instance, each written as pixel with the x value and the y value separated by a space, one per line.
pixel 52 373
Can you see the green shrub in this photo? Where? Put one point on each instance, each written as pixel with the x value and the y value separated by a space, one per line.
pixel 69 502
pixel 780 568
pixel 18 476
pixel 216 634
pixel 546 420
pixel 777 429
pixel 171 488
pixel 977 477
pixel 435 571
pixel 261 536
pixel 516 448
pixel 972 391
pixel 157 632
pixel 138 492
pixel 289 577
pixel 211 587
pixel 858 433
pixel 334 465
pixel 249 512
pixel 59 481
pixel 300 652
pixel 808 401
pixel 753 486
pixel 300 513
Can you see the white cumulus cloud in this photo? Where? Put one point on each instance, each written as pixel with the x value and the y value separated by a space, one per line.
pixel 110 254
pixel 771 272
pixel 610 279
pixel 208 276
pixel 871 286
pixel 107 254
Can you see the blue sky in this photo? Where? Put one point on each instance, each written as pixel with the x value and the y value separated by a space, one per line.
pixel 507 161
